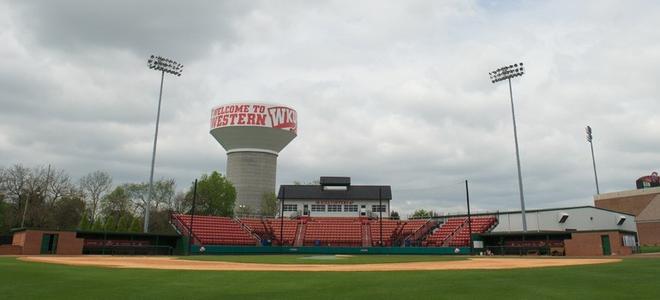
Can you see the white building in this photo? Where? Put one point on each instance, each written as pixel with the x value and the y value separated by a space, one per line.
pixel 335 197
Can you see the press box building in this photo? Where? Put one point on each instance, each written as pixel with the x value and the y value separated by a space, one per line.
pixel 335 197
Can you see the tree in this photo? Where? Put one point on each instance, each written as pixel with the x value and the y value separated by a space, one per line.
pixel 163 198
pixel 163 194
pixel 110 223
pixel 124 223
pixel 99 225
pixel 116 204
pixel 13 185
pixel 421 214
pixel 84 222
pixel 67 213
pixel 159 222
pixel 215 195
pixel 269 204
pixel 94 185
pixel 180 203
pixel 32 194
pixel 3 219
pixel 136 225
pixel 394 215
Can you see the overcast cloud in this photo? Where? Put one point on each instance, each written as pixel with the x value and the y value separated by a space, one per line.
pixel 387 92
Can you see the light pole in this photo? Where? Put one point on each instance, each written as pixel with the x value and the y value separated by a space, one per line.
pixel 593 159
pixel 506 73
pixel 467 199
pixel 164 65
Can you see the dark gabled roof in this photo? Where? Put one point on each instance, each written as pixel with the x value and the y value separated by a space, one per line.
pixel 335 181
pixel 353 192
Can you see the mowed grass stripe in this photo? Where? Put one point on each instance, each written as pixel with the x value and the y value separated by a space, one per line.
pixel 630 279
pixel 309 258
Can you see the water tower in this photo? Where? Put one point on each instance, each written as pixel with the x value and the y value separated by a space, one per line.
pixel 253 135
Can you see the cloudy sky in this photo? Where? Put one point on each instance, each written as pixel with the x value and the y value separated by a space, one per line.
pixel 387 92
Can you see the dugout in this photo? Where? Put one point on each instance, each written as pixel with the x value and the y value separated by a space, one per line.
pixel 130 243
pixel 570 231
pixel 29 241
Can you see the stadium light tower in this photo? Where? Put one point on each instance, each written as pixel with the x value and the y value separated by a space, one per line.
pixel 506 73
pixel 593 159
pixel 164 65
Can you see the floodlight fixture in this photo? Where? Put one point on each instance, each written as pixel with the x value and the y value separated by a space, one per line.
pixel 507 72
pixel 165 65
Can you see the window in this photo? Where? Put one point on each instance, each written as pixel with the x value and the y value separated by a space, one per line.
pixel 318 207
pixel 290 207
pixel 375 208
pixel 350 207
pixel 334 208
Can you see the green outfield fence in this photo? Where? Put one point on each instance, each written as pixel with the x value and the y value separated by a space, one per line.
pixel 214 250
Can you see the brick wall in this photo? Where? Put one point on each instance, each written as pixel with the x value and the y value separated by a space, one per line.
pixel 30 241
pixel 649 233
pixel 590 244
pixel 631 205
pixel 10 250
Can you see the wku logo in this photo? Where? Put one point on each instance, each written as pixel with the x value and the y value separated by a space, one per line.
pixel 283 118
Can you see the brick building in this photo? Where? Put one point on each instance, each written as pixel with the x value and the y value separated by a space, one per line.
pixel 644 204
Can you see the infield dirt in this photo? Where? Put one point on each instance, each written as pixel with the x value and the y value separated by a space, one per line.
pixel 170 263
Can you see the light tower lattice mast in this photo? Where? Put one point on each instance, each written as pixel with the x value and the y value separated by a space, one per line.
pixel 506 73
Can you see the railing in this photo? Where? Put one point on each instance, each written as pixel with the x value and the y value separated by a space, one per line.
pixel 248 229
pixel 525 250
pixel 183 229
pixel 415 237
pixel 450 237
pixel 129 250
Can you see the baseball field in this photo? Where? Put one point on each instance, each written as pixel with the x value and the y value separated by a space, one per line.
pixel 111 277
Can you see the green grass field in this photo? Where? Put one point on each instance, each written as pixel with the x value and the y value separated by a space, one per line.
pixel 650 249
pixel 323 259
pixel 634 278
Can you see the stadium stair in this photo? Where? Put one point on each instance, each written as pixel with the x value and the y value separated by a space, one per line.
pixel 300 235
pixel 366 234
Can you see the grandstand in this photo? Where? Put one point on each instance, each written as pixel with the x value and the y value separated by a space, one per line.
pixel 327 231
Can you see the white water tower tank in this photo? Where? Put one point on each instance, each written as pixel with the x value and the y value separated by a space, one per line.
pixel 253 134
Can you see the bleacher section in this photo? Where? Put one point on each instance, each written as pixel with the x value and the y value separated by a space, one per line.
pixel 337 232
pixel 342 232
pixel 390 227
pixel 394 230
pixel 211 230
pixel 289 230
pixel 455 232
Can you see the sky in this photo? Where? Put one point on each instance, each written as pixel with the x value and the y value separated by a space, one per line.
pixel 387 92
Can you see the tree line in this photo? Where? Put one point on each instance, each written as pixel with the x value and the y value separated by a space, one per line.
pixel 48 198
